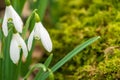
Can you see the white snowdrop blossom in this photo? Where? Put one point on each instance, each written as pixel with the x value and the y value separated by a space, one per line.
pixel 10 13
pixel 39 32
pixel 17 43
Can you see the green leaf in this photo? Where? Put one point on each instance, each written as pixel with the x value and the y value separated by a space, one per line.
pixel 47 63
pixel 51 75
pixel 25 65
pixel 41 5
pixel 39 65
pixel 18 5
pixel 1 69
pixel 1 54
pixel 6 60
pixel 28 24
pixel 68 57
pixel 8 67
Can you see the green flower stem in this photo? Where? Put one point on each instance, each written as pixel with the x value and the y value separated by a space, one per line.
pixel 1 49
pixel 33 67
pixel 6 60
pixel 19 66
pixel 28 24
pixel 46 63
pixel 1 37
pixel 2 61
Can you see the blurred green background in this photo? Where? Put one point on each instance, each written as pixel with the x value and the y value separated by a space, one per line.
pixel 71 22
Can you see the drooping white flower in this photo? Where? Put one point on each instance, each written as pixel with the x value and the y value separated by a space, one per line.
pixel 10 13
pixel 17 43
pixel 39 32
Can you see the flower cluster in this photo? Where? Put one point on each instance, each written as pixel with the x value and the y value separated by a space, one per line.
pixel 17 42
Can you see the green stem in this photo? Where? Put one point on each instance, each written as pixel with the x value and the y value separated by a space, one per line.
pixel 35 66
pixel 19 67
pixel 1 50
pixel 3 61
pixel 27 24
pixel 1 44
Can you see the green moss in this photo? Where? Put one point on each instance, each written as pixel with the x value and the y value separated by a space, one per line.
pixel 108 69
pixel 79 20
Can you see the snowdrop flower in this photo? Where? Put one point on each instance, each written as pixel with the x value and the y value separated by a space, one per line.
pixel 17 43
pixel 39 32
pixel 10 13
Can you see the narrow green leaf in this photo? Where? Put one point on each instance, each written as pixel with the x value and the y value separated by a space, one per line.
pixel 25 65
pixel 28 24
pixel 47 63
pixel 8 68
pixel 51 75
pixel 33 67
pixel 1 69
pixel 1 54
pixel 42 7
pixel 68 57
pixel 18 5
pixel 1 35
pixel 6 60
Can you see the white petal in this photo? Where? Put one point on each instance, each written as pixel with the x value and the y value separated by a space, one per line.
pixel 22 44
pixel 30 40
pixel 4 24
pixel 45 38
pixel 16 19
pixel 37 30
pixel 14 51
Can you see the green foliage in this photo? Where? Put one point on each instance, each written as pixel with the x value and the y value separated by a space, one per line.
pixel 70 55
pixel 18 5
pixel 41 5
pixel 108 69
pixel 78 20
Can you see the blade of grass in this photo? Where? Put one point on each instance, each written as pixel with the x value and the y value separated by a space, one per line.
pixel 67 57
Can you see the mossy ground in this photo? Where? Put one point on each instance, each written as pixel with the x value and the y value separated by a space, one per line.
pixel 75 21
